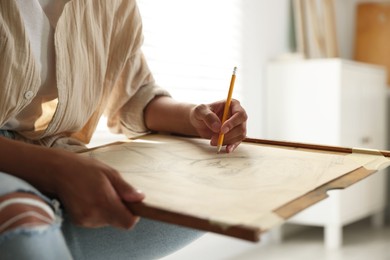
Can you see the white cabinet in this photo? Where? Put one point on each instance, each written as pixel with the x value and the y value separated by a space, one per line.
pixel 332 102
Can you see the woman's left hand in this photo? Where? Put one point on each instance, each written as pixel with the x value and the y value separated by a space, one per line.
pixel 206 119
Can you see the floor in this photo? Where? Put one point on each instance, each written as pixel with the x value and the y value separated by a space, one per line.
pixel 361 242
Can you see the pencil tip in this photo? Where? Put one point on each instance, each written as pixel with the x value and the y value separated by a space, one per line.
pixel 219 148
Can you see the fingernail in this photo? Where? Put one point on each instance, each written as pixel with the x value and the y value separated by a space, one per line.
pixel 230 148
pixel 135 195
pixel 139 193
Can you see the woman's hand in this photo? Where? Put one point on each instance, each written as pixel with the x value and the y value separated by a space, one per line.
pixel 167 115
pixel 206 119
pixel 93 193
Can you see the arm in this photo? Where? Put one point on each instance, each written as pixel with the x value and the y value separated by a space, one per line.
pixel 89 190
pixel 167 115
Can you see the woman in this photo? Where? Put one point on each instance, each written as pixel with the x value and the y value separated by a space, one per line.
pixel 64 64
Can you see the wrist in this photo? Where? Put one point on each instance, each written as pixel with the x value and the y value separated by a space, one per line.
pixel 164 114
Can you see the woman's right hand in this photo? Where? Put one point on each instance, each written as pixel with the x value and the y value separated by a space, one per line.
pixel 93 194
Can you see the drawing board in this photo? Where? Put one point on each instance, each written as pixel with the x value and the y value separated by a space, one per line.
pixel 240 194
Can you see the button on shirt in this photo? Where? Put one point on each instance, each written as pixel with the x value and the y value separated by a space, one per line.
pixel 35 15
pixel 28 95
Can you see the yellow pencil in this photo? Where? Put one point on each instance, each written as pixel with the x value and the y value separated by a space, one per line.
pixel 227 107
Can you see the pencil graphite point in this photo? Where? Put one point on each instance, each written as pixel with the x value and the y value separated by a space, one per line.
pixel 219 147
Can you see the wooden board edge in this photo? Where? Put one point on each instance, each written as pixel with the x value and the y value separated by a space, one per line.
pixel 316 147
pixel 294 207
pixel 248 233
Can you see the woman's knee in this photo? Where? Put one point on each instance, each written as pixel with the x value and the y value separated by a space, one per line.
pixel 24 210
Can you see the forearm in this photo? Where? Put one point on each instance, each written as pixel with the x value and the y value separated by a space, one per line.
pixel 167 115
pixel 28 162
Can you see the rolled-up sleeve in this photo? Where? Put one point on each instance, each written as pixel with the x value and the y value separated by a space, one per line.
pixel 134 89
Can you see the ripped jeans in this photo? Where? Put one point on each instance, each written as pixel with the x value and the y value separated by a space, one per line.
pixel 63 240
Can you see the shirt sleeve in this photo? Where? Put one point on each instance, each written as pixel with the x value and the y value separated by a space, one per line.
pixel 130 82
pixel 134 89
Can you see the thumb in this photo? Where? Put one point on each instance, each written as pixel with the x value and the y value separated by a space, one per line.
pixel 126 191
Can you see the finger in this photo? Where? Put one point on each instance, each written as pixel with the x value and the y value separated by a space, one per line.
pixel 238 117
pixel 128 193
pixel 123 217
pixel 113 209
pixel 214 140
pixel 107 210
pixel 237 134
pixel 233 137
pixel 211 120
pixel 120 216
pixel 231 147
pixel 124 189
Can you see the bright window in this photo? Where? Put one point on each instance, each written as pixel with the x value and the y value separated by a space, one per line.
pixel 192 46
